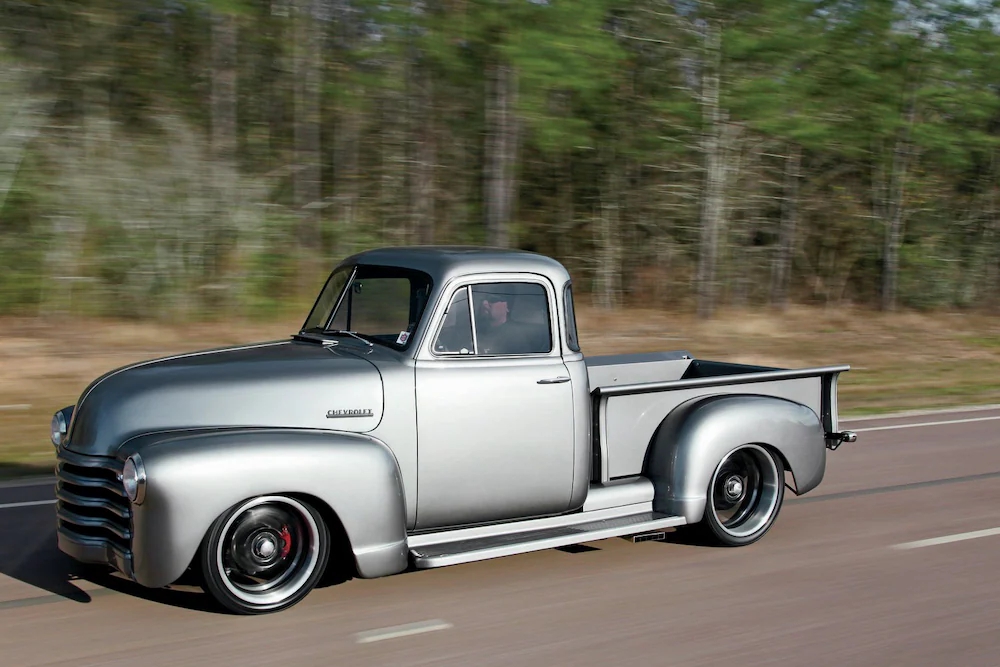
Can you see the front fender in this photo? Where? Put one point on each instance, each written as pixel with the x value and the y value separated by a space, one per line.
pixel 694 438
pixel 192 478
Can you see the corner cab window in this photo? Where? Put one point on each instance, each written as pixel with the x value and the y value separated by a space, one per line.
pixel 572 338
pixel 381 304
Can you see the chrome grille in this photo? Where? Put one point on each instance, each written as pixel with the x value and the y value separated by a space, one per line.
pixel 91 501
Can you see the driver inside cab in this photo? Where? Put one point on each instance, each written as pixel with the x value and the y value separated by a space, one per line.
pixel 497 334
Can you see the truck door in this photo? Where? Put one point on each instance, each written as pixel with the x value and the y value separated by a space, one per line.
pixel 495 435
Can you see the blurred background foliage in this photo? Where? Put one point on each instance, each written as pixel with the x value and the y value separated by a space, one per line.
pixel 191 159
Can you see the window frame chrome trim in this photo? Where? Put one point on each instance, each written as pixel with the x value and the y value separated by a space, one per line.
pixel 467 282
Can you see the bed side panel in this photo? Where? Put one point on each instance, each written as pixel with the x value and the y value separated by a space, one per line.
pixel 631 420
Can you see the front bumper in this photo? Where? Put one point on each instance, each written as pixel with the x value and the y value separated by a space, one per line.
pixel 94 550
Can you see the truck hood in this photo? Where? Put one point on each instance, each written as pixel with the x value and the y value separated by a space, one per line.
pixel 285 384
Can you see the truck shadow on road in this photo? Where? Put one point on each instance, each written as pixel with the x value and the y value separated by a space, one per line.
pixel 29 554
pixel 184 594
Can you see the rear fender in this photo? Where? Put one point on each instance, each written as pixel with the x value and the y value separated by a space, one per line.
pixel 193 478
pixel 694 438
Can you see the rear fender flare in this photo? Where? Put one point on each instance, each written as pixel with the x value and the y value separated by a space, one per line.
pixel 695 436
pixel 193 478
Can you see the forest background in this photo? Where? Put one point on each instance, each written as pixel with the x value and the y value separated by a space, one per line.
pixel 191 159
pixel 779 182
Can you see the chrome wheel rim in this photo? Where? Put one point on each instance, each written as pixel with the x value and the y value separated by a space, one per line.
pixel 268 549
pixel 744 490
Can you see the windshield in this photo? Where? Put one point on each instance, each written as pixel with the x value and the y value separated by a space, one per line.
pixel 378 303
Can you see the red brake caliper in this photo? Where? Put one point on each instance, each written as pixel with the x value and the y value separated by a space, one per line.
pixel 286 541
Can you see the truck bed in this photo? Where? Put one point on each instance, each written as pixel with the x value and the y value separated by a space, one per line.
pixel 633 393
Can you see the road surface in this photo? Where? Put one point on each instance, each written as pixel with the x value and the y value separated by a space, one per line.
pixel 894 559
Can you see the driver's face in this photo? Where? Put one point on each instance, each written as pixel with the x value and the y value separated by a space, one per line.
pixel 496 311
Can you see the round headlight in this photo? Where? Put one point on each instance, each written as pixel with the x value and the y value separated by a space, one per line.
pixel 134 479
pixel 58 428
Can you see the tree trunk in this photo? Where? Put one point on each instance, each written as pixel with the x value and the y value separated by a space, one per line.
pixel 224 35
pixel 991 248
pixel 421 178
pixel 423 191
pixel 306 180
pixel 993 267
pixel 500 153
pixel 392 201
pixel 713 197
pixel 347 179
pixel 893 232
pixel 782 269
pixel 895 211
pixel 609 243
pixel 735 269
pixel 566 214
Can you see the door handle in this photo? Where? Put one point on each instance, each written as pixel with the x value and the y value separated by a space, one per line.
pixel 558 380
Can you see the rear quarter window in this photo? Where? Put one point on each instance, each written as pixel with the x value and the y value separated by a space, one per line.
pixel 572 338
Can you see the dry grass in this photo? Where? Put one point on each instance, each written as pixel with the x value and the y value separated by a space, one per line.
pixel 899 361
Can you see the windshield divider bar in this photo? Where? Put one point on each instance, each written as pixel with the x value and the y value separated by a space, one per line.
pixel 340 299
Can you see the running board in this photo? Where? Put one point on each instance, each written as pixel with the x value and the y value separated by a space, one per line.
pixel 466 551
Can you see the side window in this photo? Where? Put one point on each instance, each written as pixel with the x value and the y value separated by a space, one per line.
pixel 455 336
pixel 572 339
pixel 511 318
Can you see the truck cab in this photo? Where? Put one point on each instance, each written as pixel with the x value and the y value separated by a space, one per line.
pixel 496 391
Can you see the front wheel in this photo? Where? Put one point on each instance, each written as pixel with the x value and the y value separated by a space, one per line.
pixel 265 554
pixel 744 496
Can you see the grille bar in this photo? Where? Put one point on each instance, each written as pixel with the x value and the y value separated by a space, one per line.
pixel 93 522
pixel 70 498
pixel 80 480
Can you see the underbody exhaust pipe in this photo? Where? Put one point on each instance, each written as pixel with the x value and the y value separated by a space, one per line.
pixel 834 440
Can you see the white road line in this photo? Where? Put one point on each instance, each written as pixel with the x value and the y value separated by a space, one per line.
pixel 934 541
pixel 921 413
pixel 27 504
pixel 20 483
pixel 16 406
pixel 941 423
pixel 401 631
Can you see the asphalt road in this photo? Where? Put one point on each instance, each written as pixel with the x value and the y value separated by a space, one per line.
pixel 853 573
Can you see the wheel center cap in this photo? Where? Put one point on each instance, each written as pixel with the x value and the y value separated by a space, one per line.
pixel 734 488
pixel 265 547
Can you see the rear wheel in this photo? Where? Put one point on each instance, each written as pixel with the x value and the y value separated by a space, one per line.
pixel 265 554
pixel 744 496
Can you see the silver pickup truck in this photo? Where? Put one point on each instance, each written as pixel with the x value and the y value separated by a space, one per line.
pixel 434 409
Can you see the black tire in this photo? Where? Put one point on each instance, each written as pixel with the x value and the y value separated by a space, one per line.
pixel 745 495
pixel 264 554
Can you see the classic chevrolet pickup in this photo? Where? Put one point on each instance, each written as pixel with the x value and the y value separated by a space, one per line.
pixel 434 409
